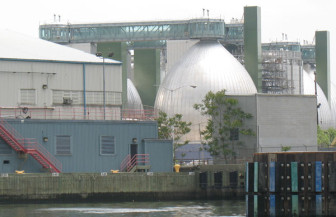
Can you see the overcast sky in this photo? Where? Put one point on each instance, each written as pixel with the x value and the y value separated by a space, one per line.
pixel 299 19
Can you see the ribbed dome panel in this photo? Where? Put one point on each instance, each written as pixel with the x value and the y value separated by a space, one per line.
pixel 210 67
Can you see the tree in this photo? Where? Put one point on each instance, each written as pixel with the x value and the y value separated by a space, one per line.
pixel 225 123
pixel 172 128
pixel 325 137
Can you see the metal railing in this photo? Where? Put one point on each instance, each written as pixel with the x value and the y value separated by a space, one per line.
pixel 194 162
pixel 31 144
pixel 129 163
pixel 77 113
pixel 10 132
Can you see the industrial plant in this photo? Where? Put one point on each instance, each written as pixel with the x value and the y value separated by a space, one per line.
pixel 94 90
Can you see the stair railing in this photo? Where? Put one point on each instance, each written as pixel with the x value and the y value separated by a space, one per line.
pixel 124 163
pixel 128 163
pixel 32 144
pixel 12 133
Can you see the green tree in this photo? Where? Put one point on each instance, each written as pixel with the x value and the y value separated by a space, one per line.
pixel 325 137
pixel 173 128
pixel 225 123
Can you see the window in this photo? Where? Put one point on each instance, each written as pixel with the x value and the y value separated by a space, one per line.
pixel 63 145
pixel 28 96
pixel 234 134
pixel 107 145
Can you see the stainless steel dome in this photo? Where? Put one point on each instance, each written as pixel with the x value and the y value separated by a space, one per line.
pixel 133 97
pixel 333 102
pixel 208 66
pixel 324 112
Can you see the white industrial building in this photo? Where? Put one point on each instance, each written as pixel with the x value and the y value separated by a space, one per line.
pixel 41 79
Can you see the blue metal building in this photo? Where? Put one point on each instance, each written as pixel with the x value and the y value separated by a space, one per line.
pixel 83 145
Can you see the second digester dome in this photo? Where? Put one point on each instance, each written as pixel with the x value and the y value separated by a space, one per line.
pixel 208 66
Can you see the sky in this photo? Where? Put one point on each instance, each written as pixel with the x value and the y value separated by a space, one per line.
pixel 299 19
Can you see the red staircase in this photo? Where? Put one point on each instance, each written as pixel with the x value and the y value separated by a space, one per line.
pixel 29 146
pixel 128 164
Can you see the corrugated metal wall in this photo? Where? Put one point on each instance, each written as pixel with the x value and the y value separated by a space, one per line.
pixel 85 144
pixel 16 75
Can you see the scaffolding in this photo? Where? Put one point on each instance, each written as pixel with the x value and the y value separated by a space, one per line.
pixel 282 72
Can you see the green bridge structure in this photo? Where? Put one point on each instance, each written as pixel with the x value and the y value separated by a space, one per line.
pixel 147 39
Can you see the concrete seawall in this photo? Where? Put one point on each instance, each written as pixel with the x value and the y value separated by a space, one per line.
pixel 117 187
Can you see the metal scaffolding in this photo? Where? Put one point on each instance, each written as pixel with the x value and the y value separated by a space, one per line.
pixel 282 72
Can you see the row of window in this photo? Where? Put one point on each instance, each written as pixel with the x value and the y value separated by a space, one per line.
pixel 29 96
pixel 64 145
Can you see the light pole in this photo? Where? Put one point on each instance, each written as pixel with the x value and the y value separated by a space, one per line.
pixel 171 94
pixel 172 112
pixel 104 99
pixel 99 54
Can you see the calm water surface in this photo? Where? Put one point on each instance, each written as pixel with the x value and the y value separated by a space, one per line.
pixel 138 209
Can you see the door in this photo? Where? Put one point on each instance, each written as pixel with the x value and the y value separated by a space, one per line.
pixel 134 150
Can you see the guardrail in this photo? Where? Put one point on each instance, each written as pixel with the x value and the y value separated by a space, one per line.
pixel 32 144
pixel 138 159
pixel 194 162
pixel 77 113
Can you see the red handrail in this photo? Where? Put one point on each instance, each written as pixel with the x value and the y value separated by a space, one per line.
pixel 128 163
pixel 10 130
pixel 124 163
pixel 30 146
pixel 137 159
pixel 77 113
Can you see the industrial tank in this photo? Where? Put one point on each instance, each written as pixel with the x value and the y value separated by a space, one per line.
pixel 333 102
pixel 133 97
pixel 206 66
pixel 325 117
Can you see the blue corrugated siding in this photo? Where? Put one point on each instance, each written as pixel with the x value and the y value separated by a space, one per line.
pixel 85 142
pixel 161 155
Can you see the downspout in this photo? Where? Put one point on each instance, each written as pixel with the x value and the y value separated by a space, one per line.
pixel 84 91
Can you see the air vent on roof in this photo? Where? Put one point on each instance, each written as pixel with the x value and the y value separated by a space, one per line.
pixel 67 101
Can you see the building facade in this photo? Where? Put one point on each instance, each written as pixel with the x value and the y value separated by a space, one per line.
pixel 86 146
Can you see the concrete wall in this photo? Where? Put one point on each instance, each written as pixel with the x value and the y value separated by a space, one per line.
pixel 124 186
pixel 118 187
pixel 278 120
pixel 286 120
pixel 85 145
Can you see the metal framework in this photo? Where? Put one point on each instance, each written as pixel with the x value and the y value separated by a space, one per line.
pixel 144 34
pixel 136 31
pixel 308 53
pixel 279 73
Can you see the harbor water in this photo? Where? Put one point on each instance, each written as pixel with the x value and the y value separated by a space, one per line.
pixel 139 209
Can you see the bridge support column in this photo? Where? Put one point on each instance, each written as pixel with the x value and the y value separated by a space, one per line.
pixel 322 49
pixel 252 44
pixel 120 53
pixel 147 74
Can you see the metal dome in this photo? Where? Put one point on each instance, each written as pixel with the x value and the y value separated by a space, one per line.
pixel 324 112
pixel 208 66
pixel 333 102
pixel 133 97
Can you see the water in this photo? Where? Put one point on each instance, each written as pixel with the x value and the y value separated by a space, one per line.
pixel 139 209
